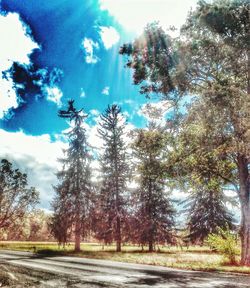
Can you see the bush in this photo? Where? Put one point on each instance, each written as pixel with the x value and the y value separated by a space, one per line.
pixel 225 242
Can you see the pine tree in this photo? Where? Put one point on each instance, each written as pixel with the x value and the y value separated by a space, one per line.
pixel 73 194
pixel 153 218
pixel 207 212
pixel 110 210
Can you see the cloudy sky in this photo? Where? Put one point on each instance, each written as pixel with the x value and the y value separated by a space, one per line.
pixel 52 51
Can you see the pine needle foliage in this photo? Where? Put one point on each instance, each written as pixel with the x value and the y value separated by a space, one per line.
pixel 72 202
pixel 110 210
pixel 153 217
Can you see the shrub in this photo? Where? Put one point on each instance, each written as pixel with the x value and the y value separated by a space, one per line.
pixel 225 242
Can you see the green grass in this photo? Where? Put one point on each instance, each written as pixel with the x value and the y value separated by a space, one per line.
pixel 194 258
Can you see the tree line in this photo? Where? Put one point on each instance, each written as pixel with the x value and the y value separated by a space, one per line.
pixel 110 210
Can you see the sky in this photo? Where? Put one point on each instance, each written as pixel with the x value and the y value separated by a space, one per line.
pixel 70 48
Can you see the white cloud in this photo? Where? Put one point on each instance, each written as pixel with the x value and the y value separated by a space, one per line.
pixel 16 46
pixel 135 14
pixel 54 94
pixel 133 185
pixel 178 194
pixel 94 112
pixel 155 111
pixel 82 94
pixel 126 114
pixel 105 90
pixel 7 96
pixel 89 45
pixel 109 36
pixel 95 171
pixel 129 101
pixel 93 137
pixel 35 155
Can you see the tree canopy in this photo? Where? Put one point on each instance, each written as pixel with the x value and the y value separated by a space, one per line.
pixel 16 197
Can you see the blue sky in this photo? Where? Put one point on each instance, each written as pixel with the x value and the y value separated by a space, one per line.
pixel 71 47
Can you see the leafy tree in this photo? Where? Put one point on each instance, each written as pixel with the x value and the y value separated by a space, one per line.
pixel 218 53
pixel 153 59
pixel 31 227
pixel 15 196
pixel 38 226
pixel 73 194
pixel 111 212
pixel 213 64
pixel 153 217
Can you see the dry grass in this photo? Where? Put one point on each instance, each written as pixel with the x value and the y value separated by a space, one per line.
pixel 193 258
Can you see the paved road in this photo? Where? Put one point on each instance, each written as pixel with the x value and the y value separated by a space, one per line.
pixel 100 273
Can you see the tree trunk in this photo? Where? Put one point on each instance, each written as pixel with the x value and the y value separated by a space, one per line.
pixel 151 231
pixel 245 237
pixel 77 235
pixel 77 219
pixel 117 199
pixel 245 189
pixel 150 246
pixel 118 235
pixel 244 195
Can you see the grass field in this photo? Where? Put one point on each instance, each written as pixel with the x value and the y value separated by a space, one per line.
pixel 193 258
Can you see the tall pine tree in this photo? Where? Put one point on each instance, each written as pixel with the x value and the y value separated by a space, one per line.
pixel 73 194
pixel 110 209
pixel 153 218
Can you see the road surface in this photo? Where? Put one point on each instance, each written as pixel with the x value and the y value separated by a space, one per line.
pixel 93 273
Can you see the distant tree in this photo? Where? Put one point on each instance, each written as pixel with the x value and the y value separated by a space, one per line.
pixel 18 230
pixel 32 227
pixel 207 212
pixel 110 211
pixel 72 202
pixel 154 214
pixel 38 226
pixel 16 198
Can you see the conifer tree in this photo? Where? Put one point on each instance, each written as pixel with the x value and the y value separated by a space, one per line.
pixel 73 194
pixel 207 212
pixel 110 212
pixel 153 218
